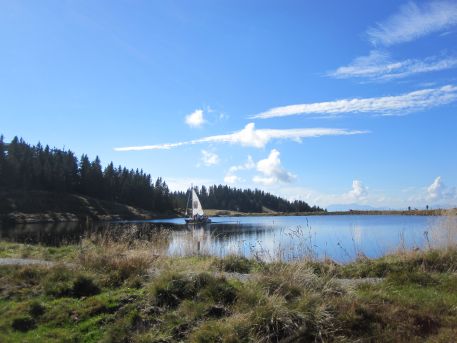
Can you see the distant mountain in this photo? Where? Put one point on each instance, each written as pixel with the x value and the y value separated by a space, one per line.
pixel 355 207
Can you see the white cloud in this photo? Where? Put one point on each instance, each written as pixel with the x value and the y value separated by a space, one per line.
pixel 412 22
pixel 357 194
pixel 195 119
pixel 231 178
pixel 435 189
pixel 388 105
pixel 379 66
pixel 183 183
pixel 437 194
pixel 250 137
pixel 209 158
pixel 272 171
pixel 249 164
pixel 358 191
pixel 438 191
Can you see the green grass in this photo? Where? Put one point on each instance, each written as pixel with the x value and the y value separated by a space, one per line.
pixel 108 293
pixel 17 250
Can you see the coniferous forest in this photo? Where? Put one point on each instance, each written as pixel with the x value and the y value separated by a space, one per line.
pixel 37 167
pixel 244 200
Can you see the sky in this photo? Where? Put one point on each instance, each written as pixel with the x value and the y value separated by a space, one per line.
pixel 331 102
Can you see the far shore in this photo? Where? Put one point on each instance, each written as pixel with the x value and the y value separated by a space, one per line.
pixel 57 217
pixel 223 213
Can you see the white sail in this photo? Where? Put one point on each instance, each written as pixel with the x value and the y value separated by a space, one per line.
pixel 196 205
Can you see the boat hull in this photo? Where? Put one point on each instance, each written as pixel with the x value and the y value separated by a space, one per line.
pixel 197 221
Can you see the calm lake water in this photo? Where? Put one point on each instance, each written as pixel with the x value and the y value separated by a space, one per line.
pixel 340 238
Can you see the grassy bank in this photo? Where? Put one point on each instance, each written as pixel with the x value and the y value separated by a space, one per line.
pixel 222 213
pixel 128 291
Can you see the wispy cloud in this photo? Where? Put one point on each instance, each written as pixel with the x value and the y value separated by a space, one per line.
pixel 272 170
pixel 231 178
pixel 388 105
pixel 434 191
pixel 379 66
pixel 209 158
pixel 412 22
pixel 195 119
pixel 251 137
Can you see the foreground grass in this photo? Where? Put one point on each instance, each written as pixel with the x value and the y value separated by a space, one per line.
pixel 17 250
pixel 112 292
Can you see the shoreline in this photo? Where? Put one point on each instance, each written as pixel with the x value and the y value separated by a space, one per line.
pixel 68 217
pixel 223 213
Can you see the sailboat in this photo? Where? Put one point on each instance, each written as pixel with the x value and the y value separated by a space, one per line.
pixel 197 216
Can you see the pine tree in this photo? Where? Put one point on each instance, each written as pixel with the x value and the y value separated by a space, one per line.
pixel 2 161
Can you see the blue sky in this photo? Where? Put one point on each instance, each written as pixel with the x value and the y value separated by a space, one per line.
pixel 331 102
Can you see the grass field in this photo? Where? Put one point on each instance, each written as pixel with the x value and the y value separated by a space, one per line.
pixel 124 290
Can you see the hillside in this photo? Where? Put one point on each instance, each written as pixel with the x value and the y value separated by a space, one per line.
pixel 41 182
pixel 44 206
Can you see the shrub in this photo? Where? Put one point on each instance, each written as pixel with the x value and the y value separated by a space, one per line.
pixel 272 321
pixel 84 286
pixel 58 282
pixel 128 322
pixel 234 264
pixel 118 265
pixel 171 290
pixel 36 309
pixel 63 282
pixel 23 324
pixel 174 288
pixel 214 331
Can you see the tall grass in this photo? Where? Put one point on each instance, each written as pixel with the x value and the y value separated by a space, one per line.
pixel 205 299
pixel 121 254
pixel 444 234
pixel 130 250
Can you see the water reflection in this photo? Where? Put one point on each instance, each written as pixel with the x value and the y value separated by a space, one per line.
pixel 341 238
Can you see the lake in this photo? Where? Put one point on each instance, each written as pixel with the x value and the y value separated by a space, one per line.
pixel 339 237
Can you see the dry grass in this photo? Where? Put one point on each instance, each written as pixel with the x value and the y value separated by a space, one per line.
pixel 120 256
pixel 444 235
pixel 121 287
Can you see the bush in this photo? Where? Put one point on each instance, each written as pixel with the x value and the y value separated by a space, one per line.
pixel 84 286
pixel 117 265
pixel 58 282
pixel 214 332
pixel 234 264
pixel 63 282
pixel 273 321
pixel 217 289
pixel 23 324
pixel 173 289
pixel 36 309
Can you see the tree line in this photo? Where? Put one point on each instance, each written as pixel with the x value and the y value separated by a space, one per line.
pixel 28 167
pixel 244 200
pixel 34 167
